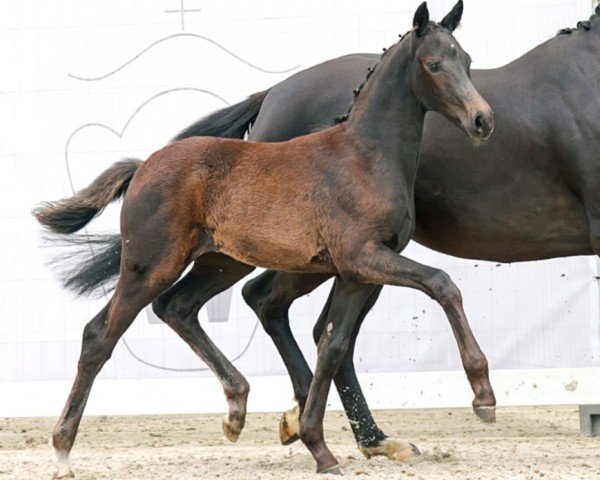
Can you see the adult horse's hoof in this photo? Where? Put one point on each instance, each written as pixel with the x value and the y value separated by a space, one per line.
pixel 333 470
pixel 398 450
pixel 486 414
pixel 231 429
pixel 289 426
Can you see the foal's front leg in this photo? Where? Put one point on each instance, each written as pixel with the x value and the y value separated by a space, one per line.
pixel 378 264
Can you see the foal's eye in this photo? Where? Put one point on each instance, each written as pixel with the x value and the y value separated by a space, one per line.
pixel 433 66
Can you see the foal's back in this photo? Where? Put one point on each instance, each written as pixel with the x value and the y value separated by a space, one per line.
pixel 262 203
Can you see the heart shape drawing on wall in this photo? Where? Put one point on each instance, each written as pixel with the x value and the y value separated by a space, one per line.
pixel 218 308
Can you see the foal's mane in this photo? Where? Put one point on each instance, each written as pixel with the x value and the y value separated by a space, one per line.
pixel 342 118
pixel 582 25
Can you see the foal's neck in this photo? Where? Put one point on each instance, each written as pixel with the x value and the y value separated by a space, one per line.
pixel 387 117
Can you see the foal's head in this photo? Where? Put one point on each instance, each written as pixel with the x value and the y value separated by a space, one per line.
pixel 441 75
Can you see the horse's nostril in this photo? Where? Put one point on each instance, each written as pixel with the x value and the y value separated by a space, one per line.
pixel 479 122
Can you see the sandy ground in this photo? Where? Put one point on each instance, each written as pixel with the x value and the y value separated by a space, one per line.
pixel 526 443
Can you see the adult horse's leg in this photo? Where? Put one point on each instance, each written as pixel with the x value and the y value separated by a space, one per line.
pixel 380 265
pixel 270 296
pixel 178 307
pixel 135 289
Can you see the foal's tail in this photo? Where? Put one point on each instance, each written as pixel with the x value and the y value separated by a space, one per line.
pixel 94 265
pixel 70 215
pixel 96 261
pixel 229 122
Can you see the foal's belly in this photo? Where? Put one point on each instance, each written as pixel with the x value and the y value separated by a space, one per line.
pixel 289 243
pixel 278 256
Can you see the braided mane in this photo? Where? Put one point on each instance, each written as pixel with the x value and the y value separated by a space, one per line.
pixel 582 25
pixel 342 118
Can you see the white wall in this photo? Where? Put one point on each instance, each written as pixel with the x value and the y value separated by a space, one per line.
pixel 85 83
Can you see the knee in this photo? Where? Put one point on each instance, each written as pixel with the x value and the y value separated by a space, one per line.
pixel 478 365
pixel 444 290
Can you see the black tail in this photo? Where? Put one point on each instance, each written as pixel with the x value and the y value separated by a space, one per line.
pixel 100 255
pixel 92 267
pixel 72 214
pixel 229 122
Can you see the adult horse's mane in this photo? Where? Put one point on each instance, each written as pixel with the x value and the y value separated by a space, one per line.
pixel 582 25
pixel 342 118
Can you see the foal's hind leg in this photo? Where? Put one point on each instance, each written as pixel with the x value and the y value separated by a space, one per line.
pixel 178 307
pixel 134 291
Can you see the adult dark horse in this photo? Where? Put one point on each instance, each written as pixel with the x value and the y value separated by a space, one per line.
pixel 339 201
pixel 532 193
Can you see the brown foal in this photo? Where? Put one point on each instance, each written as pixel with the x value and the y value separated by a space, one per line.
pixel 337 201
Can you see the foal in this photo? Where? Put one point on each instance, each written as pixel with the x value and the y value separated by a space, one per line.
pixel 337 201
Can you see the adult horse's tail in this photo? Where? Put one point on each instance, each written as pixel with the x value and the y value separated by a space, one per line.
pixel 100 255
pixel 229 122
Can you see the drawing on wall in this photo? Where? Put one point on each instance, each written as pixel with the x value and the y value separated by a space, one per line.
pixel 218 309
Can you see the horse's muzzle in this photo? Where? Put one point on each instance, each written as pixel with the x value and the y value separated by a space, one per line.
pixel 483 123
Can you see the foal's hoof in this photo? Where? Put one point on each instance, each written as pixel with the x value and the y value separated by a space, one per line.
pixel 289 426
pixel 333 470
pixel 398 450
pixel 486 414
pixel 57 475
pixel 63 463
pixel 231 429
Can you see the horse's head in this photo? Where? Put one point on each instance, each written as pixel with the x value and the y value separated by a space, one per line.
pixel 441 75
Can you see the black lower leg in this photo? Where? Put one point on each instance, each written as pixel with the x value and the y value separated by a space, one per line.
pixel 270 295
pixel 366 432
pixel 333 347
pixel 178 307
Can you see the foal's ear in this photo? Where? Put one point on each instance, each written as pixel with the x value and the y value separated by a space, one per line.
pixel 598 9
pixel 452 20
pixel 421 19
